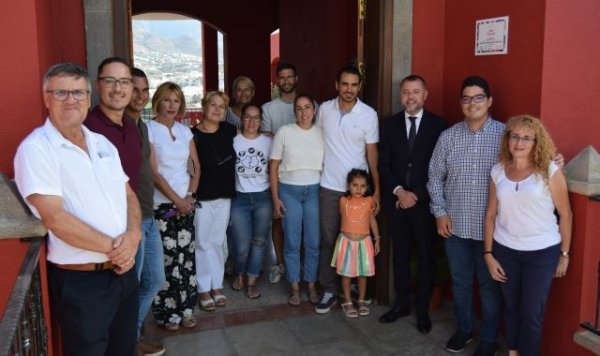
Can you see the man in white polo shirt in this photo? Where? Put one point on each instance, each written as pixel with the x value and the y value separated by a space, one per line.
pixel 72 180
pixel 351 132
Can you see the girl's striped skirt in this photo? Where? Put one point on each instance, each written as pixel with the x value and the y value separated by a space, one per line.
pixel 354 258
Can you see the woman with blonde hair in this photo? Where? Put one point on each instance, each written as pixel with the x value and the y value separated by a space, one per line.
pixel 172 147
pixel 214 144
pixel 525 245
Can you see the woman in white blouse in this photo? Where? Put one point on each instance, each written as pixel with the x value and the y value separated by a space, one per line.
pixel 176 175
pixel 525 245
pixel 295 169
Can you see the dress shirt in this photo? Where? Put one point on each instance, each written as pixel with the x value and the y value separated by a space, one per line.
pixel 459 175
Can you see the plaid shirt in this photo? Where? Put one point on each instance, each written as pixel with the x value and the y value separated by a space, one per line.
pixel 459 175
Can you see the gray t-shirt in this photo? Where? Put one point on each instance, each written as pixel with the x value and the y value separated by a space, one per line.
pixel 277 113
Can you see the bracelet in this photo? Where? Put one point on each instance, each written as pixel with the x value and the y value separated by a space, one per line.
pixel 486 252
pixel 377 237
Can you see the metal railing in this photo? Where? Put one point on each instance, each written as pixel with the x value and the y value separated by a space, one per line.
pixel 23 327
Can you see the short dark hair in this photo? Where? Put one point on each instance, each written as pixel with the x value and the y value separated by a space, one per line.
pixel 285 65
pixel 476 81
pixel 414 78
pixel 136 72
pixel 68 70
pixel 360 173
pixel 350 69
pixel 110 60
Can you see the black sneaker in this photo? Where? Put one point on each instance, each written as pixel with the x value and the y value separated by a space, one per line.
pixel 486 349
pixel 458 341
pixel 328 300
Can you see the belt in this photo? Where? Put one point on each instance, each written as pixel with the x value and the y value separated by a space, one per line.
pixel 87 266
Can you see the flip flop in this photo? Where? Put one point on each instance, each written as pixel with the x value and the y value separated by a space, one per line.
pixel 238 283
pixel 252 292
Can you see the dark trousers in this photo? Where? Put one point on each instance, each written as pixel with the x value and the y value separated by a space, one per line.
pixel 529 276
pixel 413 229
pixel 97 311
pixel 329 209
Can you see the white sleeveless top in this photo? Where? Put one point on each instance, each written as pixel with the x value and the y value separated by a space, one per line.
pixel 525 219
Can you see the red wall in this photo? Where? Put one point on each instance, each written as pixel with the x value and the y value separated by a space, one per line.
pixel 515 78
pixel 428 49
pixel 319 37
pixel 571 74
pixel 247 26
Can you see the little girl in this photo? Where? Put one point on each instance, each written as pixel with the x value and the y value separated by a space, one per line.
pixel 354 253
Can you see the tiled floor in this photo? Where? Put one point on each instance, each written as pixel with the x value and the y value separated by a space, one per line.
pixel 267 326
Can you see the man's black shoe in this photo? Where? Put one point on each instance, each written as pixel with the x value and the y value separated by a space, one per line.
pixel 393 315
pixel 424 325
pixel 458 341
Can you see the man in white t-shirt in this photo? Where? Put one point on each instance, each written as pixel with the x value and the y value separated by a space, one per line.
pixel 276 113
pixel 351 132
pixel 72 180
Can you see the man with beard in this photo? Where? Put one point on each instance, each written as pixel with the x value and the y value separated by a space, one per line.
pixel 351 132
pixel 407 142
pixel 276 113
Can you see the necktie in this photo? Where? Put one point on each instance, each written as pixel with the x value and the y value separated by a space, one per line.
pixel 412 133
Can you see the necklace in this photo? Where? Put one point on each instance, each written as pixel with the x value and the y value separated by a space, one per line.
pixel 354 209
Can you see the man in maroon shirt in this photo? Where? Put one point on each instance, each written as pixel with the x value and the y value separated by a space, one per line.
pixel 114 85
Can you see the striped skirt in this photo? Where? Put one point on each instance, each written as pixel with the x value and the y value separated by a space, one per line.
pixel 354 258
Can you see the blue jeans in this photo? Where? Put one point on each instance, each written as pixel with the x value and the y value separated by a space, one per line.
pixel 301 217
pixel 529 277
pixel 149 264
pixel 465 258
pixel 250 223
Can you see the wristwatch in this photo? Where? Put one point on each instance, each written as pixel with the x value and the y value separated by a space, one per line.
pixel 564 253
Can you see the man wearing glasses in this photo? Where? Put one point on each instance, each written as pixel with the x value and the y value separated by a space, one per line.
pixel 72 180
pixel 114 86
pixel 459 173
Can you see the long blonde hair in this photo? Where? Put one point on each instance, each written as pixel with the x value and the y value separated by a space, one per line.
pixel 543 149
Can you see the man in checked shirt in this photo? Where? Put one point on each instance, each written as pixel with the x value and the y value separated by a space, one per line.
pixel 459 173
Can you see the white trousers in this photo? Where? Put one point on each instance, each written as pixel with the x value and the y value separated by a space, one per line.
pixel 211 222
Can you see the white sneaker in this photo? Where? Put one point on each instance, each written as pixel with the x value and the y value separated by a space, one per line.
pixel 276 273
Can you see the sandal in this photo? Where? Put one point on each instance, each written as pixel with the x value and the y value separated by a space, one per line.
pixel 189 322
pixel 252 292
pixel 171 326
pixel 363 309
pixel 313 296
pixel 238 283
pixel 349 310
pixel 207 305
pixel 220 299
pixel 294 299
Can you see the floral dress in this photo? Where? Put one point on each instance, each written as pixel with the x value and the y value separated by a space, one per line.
pixel 178 297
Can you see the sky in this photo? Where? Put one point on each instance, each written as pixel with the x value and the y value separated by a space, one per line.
pixel 171 28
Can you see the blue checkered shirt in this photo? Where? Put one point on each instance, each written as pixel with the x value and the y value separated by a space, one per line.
pixel 459 175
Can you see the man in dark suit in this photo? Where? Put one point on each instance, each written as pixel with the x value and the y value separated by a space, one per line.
pixel 407 142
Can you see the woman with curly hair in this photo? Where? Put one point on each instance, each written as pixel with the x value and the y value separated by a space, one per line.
pixel 525 245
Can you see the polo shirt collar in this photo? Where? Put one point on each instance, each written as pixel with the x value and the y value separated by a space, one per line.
pixel 57 139
pixel 355 108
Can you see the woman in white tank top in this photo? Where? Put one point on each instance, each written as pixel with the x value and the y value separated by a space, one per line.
pixel 525 244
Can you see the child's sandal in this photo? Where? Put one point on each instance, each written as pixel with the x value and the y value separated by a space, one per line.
pixel 363 309
pixel 349 310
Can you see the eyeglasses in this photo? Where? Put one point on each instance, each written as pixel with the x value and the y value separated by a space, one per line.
pixel 524 139
pixel 62 95
pixel 479 98
pixel 253 118
pixel 112 82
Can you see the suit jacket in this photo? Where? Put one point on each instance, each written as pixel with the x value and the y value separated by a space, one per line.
pixel 395 160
